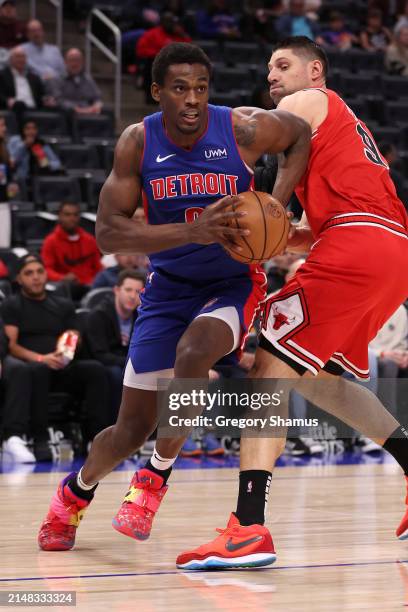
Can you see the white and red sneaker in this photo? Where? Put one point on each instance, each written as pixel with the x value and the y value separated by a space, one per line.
pixel 141 502
pixel 237 546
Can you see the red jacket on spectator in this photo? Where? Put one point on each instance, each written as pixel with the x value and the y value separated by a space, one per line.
pixel 3 270
pixel 152 41
pixel 63 253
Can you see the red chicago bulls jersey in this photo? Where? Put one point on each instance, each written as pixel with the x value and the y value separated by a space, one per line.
pixel 346 173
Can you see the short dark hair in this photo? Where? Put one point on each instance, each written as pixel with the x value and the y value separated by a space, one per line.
pixel 63 204
pixel 130 273
pixel 26 259
pixel 178 53
pixel 302 45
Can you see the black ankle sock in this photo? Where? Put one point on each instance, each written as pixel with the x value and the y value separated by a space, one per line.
pixel 163 473
pixel 252 496
pixel 76 489
pixel 397 446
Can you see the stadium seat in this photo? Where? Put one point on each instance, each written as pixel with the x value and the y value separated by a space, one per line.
pixel 357 84
pixel 388 134
pixel 359 107
pixel 395 87
pixel 93 126
pixel 241 53
pixel 56 189
pixel 227 98
pixel 31 226
pixel 11 122
pixel 107 153
pixel 362 62
pixel 211 48
pixel 10 259
pixel 226 79
pixel 334 80
pixel 94 186
pixel 81 158
pixel 50 124
pixel 34 245
pixel 5 289
pixel 340 60
pixel 397 112
pixel 95 297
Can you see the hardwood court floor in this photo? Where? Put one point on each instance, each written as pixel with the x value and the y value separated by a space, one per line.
pixel 333 528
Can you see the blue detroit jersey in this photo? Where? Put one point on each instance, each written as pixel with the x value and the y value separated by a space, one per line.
pixel 177 184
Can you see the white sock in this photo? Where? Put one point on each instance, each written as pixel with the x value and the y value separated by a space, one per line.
pixel 82 485
pixel 160 463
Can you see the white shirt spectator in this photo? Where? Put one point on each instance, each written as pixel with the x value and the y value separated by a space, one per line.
pixel 45 60
pixel 393 336
pixel 23 89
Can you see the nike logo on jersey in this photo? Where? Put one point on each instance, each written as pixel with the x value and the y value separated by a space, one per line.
pixel 162 159
pixel 233 547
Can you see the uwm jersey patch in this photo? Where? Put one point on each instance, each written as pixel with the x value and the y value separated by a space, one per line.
pixel 178 184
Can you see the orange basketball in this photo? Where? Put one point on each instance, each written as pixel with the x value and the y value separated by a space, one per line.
pixel 268 223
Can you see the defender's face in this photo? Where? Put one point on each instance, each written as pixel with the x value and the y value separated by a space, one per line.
pixel 287 73
pixel 184 97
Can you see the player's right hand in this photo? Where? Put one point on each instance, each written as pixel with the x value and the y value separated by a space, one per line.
pixel 215 224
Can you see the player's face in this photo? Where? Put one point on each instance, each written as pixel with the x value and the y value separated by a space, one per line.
pixel 184 98
pixel 288 73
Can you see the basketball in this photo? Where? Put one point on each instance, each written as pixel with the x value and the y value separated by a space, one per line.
pixel 268 223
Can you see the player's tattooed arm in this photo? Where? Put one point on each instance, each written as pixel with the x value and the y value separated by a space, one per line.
pixel 258 131
pixel 117 231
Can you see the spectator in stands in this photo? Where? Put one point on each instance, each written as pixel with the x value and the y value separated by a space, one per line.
pixel 34 320
pixel 396 55
pixel 21 89
pixel 217 21
pixel 43 59
pixel 8 188
pixel 150 43
pixel 30 155
pixel 109 328
pixel 390 154
pixel 403 15
pixel 337 35
pixel 70 254
pixel 375 36
pixel 109 277
pixel 12 30
pixel 77 91
pixel 391 348
pixel 295 22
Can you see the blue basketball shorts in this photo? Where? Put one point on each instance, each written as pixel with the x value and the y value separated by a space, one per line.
pixel 169 305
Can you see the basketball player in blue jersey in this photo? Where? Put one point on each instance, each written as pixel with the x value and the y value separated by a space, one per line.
pixel 188 163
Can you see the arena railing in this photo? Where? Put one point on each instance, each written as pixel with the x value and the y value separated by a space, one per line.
pixel 58 5
pixel 114 57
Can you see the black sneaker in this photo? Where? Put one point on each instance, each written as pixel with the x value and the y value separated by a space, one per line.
pixel 303 446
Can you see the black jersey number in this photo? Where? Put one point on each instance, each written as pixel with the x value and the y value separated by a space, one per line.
pixel 370 148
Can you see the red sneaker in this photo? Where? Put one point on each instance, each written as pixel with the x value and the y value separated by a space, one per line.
pixel 64 515
pixel 142 501
pixel 237 546
pixel 402 529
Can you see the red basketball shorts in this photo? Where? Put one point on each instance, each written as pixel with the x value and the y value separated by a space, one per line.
pixel 355 277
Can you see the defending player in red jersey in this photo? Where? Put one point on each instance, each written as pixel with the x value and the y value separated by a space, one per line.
pixel 322 320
